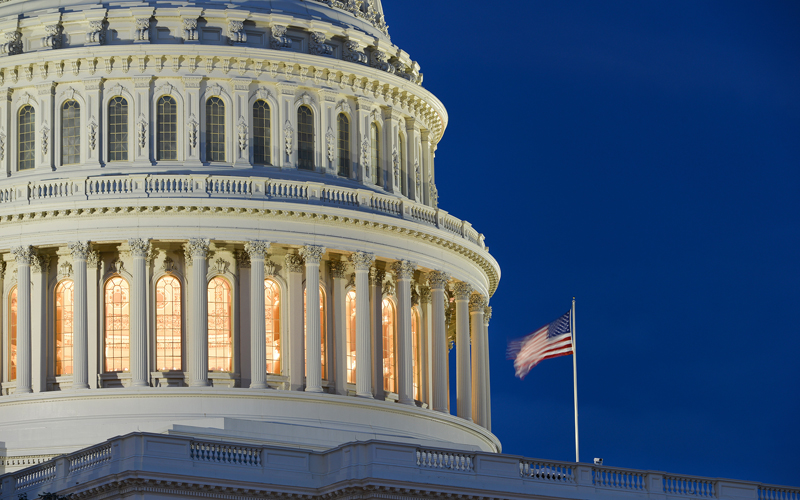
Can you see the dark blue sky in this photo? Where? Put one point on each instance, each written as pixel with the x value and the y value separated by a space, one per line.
pixel 643 156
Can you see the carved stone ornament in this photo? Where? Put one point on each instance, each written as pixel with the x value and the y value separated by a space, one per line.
pixel 79 249
pixel 434 193
pixel 45 139
pixel 414 298
pixel 338 269
pixel 437 280
pixel 53 38
pixel 65 269
pixel 269 268
pixel 40 263
pixel 318 45
pixel 168 265
pixel 2 145
pixel 477 302
pixel 93 260
pixel 425 294
pixel 142 30
pixel 462 290
pixel 198 247
pixel 116 266
pixel 487 315
pixel 294 264
pixel 417 175
pixel 278 39
pixel 189 30
pixel 96 33
pixel 23 255
pixel 13 43
pixel 362 260
pixel 256 249
pixel 242 129
pixel 92 129
pixel 221 265
pixel 288 137
pixel 312 254
pixel 242 259
pixel 396 166
pixel 354 53
pixel 261 93
pixel 366 156
pixel 330 138
pixel 141 131
pixel 378 61
pixel 236 33
pixel 404 269
pixel 389 288
pixel 192 132
pixel 376 276
pixel 138 247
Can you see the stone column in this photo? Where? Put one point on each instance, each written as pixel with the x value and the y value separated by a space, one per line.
pixel 312 255
pixel 197 362
pixel 44 127
pixel 476 304
pixel 487 315
pixel 93 264
pixel 23 256
pixel 40 265
pixel 425 167
pixel 426 340
pixel 80 322
pixel 139 373
pixel 463 371
pixel 361 128
pixel 403 272
pixel 437 280
pixel 286 126
pixel 294 265
pixel 338 271
pixel 376 277
pixel 413 160
pixel 362 262
pixel 258 323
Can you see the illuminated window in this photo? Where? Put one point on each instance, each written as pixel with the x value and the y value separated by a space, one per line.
pixel 322 330
pixel 26 137
pixel 305 138
pixel 215 129
pixel 350 334
pixel 343 124
pixel 416 358
pixel 220 333
pixel 402 158
pixel 272 309
pixel 389 359
pixel 118 325
pixel 262 152
pixel 377 174
pixel 65 306
pixel 167 128
pixel 118 129
pixel 70 133
pixel 168 324
pixel 12 334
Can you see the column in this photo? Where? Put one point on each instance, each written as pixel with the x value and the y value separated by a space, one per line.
pixel 463 372
pixel 139 373
pixel 328 119
pixel 141 123
pixel 92 266
pixel 197 362
pixel 80 319
pixel 476 304
pixel 487 315
pixel 312 255
pixel 403 272
pixel 258 326
pixel 426 338
pixel 243 348
pixel 286 126
pixel 376 277
pixel 23 256
pixel 40 265
pixel 241 123
pixel 44 127
pixel 437 280
pixel 425 166
pixel 294 265
pixel 338 272
pixel 362 262
pixel 413 161
pixel 390 154
pixel 93 113
pixel 191 94
pixel 362 130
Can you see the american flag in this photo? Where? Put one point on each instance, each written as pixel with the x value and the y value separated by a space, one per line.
pixel 550 341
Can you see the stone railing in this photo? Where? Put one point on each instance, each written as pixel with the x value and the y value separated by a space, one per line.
pixel 27 196
pixel 142 457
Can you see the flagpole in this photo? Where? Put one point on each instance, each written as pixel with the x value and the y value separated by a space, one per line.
pixel 575 378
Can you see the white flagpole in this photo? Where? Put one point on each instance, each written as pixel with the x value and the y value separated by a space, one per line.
pixel 575 379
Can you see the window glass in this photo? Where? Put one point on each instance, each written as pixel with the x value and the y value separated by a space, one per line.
pixel 262 152
pixel 305 138
pixel 27 137
pixel 389 359
pixel 167 128
pixel 350 328
pixel 220 333
pixel 70 133
pixel 168 324
pixel 272 310
pixel 215 129
pixel 64 302
pixel 118 129
pixel 117 325
pixel 343 124
pixel 415 349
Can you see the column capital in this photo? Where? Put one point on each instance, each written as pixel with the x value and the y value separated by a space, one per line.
pixel 40 263
pixel 242 259
pixel 198 247
pixel 79 249
pixel 437 280
pixel 338 269
pixel 2 269
pixel 487 315
pixel 312 254
pixel 257 249
pixel 376 276
pixel 93 260
pixel 23 254
pixel 425 294
pixel 477 303
pixel 362 260
pixel 462 290
pixel 404 269
pixel 294 264
pixel 139 247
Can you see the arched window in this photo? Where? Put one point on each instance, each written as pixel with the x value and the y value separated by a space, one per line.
pixel 322 331
pixel 375 158
pixel 416 358
pixel 262 130
pixel 12 334
pixel 220 333
pixel 118 129
pixel 117 325
pixel 168 324
pixel 26 137
pixel 350 329
pixel 272 310
pixel 343 125
pixel 167 128
pixel 389 358
pixel 70 133
pixel 215 129
pixel 305 138
pixel 401 153
pixel 65 304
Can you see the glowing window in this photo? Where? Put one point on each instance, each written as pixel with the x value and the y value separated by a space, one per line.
pixel 118 129
pixel 220 333
pixel 305 138
pixel 416 358
pixel 118 325
pixel 168 324
pixel 70 133
pixel 167 128
pixel 389 359
pixel 343 124
pixel 402 158
pixel 272 310
pixel 12 334
pixel 375 141
pixel 215 129
pixel 65 305
pixel 262 152
pixel 350 334
pixel 322 330
pixel 26 132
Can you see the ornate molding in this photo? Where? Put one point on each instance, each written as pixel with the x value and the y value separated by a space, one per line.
pixel 318 45
pixel 354 52
pixel 139 247
pixel 96 33
pixel 330 139
pixel 294 264
pixel 462 290
pixel 477 302
pixel 64 269
pixel 190 29
pixel 236 33
pixel 487 315
pixel 243 135
pixel 23 254
pixel 338 269
pixel 142 33
pixel 288 136
pixel 242 259
pixel 40 263
pixel 278 39
pixel 425 294
pixel 362 260
pixel 93 260
pixel 404 269
pixel 13 43
pixel 437 280
pixel 198 247
pixel 79 249
pixel 312 254
pixel 376 276
pixel 53 38
pixel 256 249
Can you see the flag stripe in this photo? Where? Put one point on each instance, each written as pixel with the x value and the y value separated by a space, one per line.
pixel 550 341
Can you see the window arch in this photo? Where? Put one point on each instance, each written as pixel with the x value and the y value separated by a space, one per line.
pixel 166 128
pixel 220 331
pixel 343 138
pixel 389 356
pixel 272 310
pixel 215 129
pixel 169 323
pixel 64 308
pixel 416 358
pixel 305 138
pixel 117 325
pixel 262 132
pixel 12 334
pixel 401 156
pixel 323 327
pixel 70 132
pixel 118 129
pixel 350 335
pixel 375 155
pixel 26 137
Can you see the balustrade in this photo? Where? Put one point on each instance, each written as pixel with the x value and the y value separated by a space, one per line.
pixel 688 486
pixel 90 458
pixel 618 479
pixel 445 460
pixel 547 471
pixel 225 454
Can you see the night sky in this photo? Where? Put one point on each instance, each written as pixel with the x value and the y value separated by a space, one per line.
pixel 643 156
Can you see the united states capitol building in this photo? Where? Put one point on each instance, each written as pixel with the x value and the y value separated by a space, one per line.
pixel 225 273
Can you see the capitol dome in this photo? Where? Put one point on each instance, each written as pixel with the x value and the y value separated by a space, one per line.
pixel 177 172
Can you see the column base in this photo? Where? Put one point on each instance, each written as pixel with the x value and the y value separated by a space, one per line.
pixel 23 390
pixel 409 402
pixel 314 389
pixel 258 386
pixel 365 396
pixel 199 383
pixel 140 384
pixel 79 387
